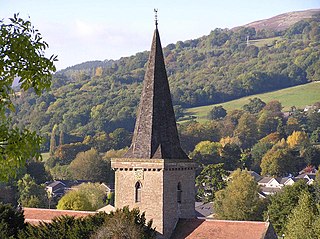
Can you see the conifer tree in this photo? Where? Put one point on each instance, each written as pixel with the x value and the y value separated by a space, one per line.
pixel 301 221
pixel 53 143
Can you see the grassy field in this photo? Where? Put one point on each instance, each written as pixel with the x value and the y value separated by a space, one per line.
pixel 298 96
pixel 263 42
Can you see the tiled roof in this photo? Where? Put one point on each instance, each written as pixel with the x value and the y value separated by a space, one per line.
pixel 222 229
pixel 36 215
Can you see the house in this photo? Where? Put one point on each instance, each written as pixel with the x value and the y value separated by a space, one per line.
pixel 223 229
pixel 204 210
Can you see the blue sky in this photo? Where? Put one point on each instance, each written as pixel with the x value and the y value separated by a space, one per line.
pixel 79 31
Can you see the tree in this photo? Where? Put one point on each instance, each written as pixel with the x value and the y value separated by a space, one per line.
pixel 75 200
pixel 30 193
pixel 211 180
pixel 95 192
pixel 297 139
pixel 240 199
pixel 11 221
pixel 217 112
pixel 257 153
pixel 278 162
pixel 247 130
pixel 300 223
pixel 124 223
pixel 53 144
pixel 21 55
pixel 89 165
pixel 206 152
pixel 282 203
pixel 254 106
pixel 230 156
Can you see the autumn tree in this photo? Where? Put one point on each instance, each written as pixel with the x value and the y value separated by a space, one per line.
pixel 206 152
pixel 89 165
pixel 240 199
pixel 247 130
pixel 211 179
pixel 22 54
pixel 297 139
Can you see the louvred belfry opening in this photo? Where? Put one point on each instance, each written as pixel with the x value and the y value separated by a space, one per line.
pixel 155 135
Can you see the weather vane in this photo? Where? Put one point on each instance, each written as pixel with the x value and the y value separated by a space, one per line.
pixel 156 16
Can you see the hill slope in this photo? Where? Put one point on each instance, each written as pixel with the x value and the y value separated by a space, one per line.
pixel 283 21
pixel 298 96
pixel 101 96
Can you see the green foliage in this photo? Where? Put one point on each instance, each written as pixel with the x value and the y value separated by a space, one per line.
pixel 86 197
pixel 240 199
pixel 100 225
pixel 217 112
pixel 124 223
pixel 301 221
pixel 98 96
pixel 210 180
pixel 30 193
pixel 246 130
pixel 67 152
pixel 75 200
pixel 11 221
pixel 21 55
pixel 254 106
pixel 89 165
pixel 282 204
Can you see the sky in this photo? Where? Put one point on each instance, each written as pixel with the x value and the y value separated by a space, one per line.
pixel 79 31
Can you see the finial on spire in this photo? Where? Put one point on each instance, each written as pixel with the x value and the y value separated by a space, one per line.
pixel 156 16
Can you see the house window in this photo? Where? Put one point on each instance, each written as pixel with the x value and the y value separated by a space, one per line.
pixel 138 192
pixel 179 192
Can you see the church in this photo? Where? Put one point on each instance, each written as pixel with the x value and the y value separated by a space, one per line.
pixel 157 176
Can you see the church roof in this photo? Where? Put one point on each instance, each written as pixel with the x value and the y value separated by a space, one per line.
pixel 223 229
pixel 155 135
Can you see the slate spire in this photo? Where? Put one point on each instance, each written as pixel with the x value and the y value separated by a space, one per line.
pixel 155 134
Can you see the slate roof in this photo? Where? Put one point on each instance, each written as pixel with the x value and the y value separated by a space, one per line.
pixel 204 210
pixel 223 229
pixel 155 135
pixel 37 215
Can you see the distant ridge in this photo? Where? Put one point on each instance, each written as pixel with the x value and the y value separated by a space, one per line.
pixel 283 21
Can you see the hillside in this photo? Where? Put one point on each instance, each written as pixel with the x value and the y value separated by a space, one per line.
pixel 298 96
pixel 283 21
pixel 101 96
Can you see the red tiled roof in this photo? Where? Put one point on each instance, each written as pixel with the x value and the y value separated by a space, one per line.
pixel 222 229
pixel 36 215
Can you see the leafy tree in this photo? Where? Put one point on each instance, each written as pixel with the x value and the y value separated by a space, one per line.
pixel 247 130
pixel 282 204
pixel 11 221
pixel 67 152
pixel 254 106
pixel 53 144
pixel 217 112
pixel 37 171
pixel 21 55
pixel 279 162
pixel 95 192
pixel 257 153
pixel 31 194
pixel 301 221
pixel 210 180
pixel 89 165
pixel 240 199
pixel 75 200
pixel 124 223
pixel 230 156
pixel 298 139
pixel 206 152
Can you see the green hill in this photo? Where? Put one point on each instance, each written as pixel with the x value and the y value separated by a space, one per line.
pixel 298 96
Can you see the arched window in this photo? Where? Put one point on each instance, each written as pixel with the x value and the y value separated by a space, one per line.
pixel 138 192
pixel 179 192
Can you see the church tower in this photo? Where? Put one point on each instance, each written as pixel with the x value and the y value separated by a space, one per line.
pixel 155 174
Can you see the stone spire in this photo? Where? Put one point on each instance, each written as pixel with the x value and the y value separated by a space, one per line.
pixel 155 135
